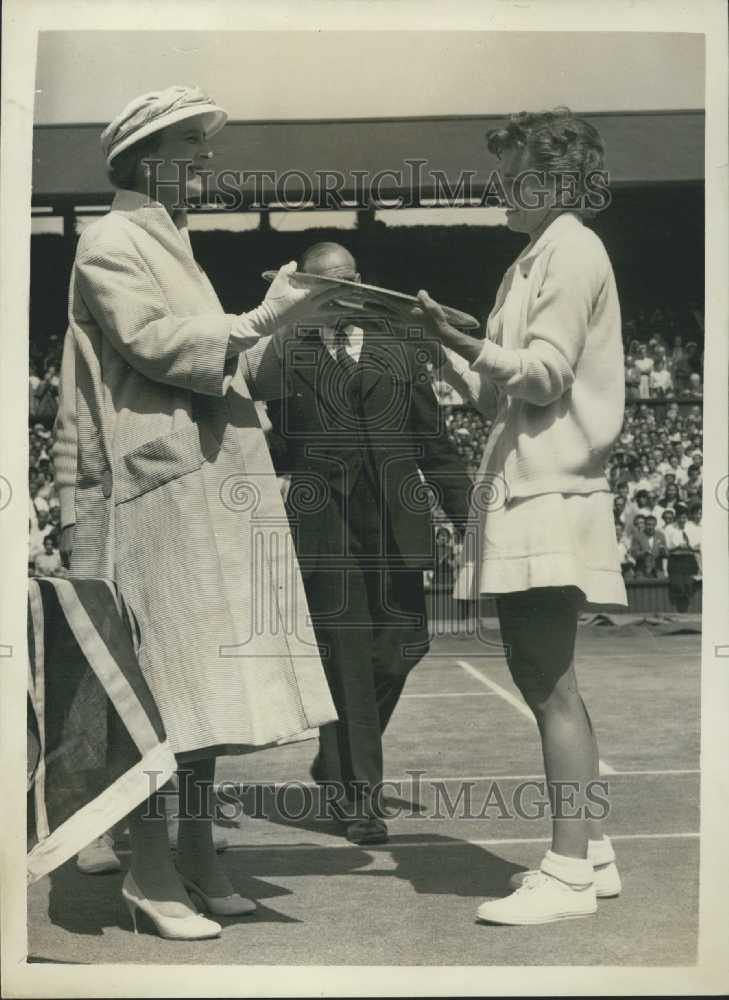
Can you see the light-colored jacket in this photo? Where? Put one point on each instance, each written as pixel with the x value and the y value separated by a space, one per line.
pixel 551 370
pixel 161 463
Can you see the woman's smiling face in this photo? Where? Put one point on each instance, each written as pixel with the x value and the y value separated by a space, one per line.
pixel 175 166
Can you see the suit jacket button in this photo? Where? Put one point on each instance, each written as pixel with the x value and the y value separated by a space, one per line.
pixel 106 483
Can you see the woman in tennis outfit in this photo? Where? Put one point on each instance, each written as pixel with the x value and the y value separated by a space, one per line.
pixel 550 373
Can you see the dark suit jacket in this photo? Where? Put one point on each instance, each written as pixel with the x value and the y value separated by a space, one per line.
pixel 398 425
pixel 641 546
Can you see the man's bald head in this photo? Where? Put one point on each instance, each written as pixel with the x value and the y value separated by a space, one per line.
pixel 331 260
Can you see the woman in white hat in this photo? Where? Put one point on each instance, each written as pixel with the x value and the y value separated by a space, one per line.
pixel 550 372
pixel 165 476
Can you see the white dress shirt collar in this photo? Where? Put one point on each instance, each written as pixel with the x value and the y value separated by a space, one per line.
pixel 355 339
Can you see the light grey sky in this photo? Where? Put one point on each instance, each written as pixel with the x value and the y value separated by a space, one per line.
pixel 90 75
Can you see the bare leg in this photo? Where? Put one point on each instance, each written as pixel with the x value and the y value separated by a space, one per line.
pixel 594 826
pixel 567 748
pixel 539 630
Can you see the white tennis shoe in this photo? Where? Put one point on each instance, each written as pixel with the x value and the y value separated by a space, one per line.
pixel 607 880
pixel 541 899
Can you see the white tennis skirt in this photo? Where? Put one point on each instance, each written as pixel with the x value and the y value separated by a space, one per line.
pixel 549 540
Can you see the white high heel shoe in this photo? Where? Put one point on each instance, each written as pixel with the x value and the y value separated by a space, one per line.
pixel 193 927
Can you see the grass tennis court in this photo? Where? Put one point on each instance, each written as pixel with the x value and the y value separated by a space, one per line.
pixel 412 901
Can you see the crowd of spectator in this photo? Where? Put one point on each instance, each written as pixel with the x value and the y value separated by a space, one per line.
pixel 44 557
pixel 654 471
pixel 660 363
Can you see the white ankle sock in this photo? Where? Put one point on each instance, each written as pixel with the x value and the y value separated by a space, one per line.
pixel 600 852
pixel 573 871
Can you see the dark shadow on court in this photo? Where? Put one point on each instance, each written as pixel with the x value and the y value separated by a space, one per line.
pixel 88 904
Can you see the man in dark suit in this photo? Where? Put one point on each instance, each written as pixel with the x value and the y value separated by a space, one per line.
pixel 649 549
pixel 357 426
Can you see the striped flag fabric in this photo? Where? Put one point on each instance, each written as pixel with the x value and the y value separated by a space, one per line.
pixel 96 743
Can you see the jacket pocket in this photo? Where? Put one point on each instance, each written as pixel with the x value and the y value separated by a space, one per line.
pixel 157 462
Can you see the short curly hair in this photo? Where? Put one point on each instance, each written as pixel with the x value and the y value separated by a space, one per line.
pixel 557 142
pixel 122 171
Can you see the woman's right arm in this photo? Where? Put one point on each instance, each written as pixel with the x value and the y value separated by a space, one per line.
pixel 128 304
pixel 480 393
pixel 197 352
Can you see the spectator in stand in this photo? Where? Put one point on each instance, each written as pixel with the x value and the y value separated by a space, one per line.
pixel 45 398
pixel 649 549
pixel 693 480
pixel 653 508
pixel 668 517
pixel 662 465
pixel 640 505
pixel 676 469
pixel 38 533
pixel 627 563
pixel 619 511
pixel 694 358
pixel 644 365
pixel 33 377
pixel 672 413
pixel 653 477
pixel 695 514
pixel 444 567
pixel 691 496
pixel 632 380
pixel 626 437
pixel 677 448
pixel 636 528
pixel 659 380
pixel 684 554
pixel 48 562
pixel 693 390
pixel 671 497
pixel 677 535
pixel 679 365
pixel 634 477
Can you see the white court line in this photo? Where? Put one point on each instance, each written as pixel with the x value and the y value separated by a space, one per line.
pixel 448 657
pixel 452 694
pixel 515 702
pixel 396 846
pixel 412 779
pixel 409 779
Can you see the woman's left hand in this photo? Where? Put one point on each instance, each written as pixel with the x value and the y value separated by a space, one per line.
pixel 434 316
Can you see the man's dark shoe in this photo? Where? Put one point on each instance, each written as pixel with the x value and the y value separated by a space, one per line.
pixel 367 831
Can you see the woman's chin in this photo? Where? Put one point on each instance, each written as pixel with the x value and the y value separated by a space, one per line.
pixel 193 189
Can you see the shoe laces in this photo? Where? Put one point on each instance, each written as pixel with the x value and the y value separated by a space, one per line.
pixel 532 881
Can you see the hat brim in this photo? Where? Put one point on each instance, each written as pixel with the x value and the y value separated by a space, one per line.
pixel 214 118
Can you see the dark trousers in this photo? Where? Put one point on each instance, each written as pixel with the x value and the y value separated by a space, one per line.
pixel 368 613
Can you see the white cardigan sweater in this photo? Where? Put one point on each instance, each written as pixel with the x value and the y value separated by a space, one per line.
pixel 551 368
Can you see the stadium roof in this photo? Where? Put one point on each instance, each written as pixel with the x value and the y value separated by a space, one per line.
pixel 643 147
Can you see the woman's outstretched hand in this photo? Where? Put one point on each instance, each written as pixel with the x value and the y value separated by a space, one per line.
pixel 286 303
pixel 434 316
